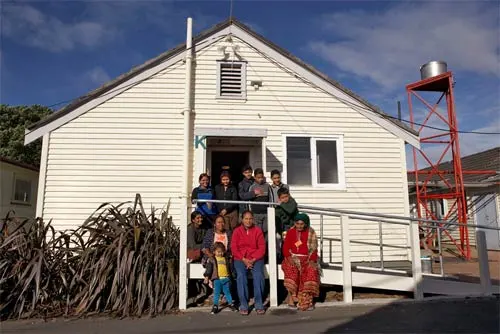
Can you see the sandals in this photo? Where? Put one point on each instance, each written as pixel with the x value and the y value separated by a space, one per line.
pixel 243 312
pixel 260 312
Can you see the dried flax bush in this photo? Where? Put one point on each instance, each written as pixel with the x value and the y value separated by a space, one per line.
pixel 121 261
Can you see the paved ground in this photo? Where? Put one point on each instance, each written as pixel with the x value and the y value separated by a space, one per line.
pixel 438 316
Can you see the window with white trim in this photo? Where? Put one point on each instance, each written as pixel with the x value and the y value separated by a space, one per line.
pixel 231 80
pixel 315 161
pixel 22 191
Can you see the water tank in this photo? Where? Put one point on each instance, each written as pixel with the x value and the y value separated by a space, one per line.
pixel 432 69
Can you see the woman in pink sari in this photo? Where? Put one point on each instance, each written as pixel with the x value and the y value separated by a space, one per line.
pixel 300 265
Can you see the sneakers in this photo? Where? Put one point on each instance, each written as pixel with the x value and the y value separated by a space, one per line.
pixel 232 308
pixel 215 309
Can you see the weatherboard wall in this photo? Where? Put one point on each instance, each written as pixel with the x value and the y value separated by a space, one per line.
pixel 133 144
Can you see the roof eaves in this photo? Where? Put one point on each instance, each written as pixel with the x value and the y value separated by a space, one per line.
pixel 174 51
pixel 124 77
pixel 19 164
pixel 335 83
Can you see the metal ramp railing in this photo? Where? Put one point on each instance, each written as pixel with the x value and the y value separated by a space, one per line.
pixel 344 273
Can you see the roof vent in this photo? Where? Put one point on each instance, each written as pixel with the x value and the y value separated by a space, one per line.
pixel 232 79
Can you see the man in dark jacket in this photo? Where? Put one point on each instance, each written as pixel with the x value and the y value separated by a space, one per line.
pixel 244 187
pixel 262 193
pixel 225 191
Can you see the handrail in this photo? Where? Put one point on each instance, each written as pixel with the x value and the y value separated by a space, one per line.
pixel 356 214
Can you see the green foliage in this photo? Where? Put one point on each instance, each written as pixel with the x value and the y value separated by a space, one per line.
pixel 13 121
pixel 121 261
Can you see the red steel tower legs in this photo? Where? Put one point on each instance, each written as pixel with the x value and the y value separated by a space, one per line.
pixel 445 142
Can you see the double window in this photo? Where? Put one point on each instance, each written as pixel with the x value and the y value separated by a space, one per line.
pixel 315 161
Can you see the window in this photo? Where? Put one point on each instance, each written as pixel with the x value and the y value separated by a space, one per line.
pixel 22 191
pixel 312 161
pixel 231 80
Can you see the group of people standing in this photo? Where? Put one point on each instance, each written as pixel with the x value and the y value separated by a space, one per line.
pixel 232 245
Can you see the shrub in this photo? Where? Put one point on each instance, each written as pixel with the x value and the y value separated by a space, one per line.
pixel 120 261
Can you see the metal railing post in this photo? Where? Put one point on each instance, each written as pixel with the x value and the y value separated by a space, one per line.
pixel 346 258
pixel 440 249
pixel 416 262
pixel 272 250
pixel 484 269
pixel 321 236
pixel 381 245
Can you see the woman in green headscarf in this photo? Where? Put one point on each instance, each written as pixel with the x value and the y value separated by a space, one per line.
pixel 300 265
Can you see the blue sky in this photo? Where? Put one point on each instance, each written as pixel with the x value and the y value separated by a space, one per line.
pixel 56 51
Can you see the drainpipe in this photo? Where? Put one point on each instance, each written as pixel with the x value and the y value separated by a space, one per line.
pixel 183 279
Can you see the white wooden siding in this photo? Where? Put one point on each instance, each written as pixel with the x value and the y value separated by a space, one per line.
pixel 285 104
pixel 130 144
pixel 133 144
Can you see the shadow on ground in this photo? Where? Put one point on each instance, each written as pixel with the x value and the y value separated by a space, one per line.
pixel 460 316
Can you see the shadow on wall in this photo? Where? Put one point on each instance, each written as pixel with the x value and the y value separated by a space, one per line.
pixel 475 315
pixel 273 162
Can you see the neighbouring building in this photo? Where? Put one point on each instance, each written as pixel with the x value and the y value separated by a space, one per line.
pixel 252 102
pixel 18 188
pixel 482 194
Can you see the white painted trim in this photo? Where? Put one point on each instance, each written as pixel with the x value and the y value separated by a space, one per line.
pixel 35 134
pixel 339 138
pixel 231 132
pixel 325 85
pixel 200 160
pixel 40 199
pixel 339 142
pixel 263 151
pixel 406 195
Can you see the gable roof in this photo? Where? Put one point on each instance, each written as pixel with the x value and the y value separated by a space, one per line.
pixel 110 87
pixel 481 161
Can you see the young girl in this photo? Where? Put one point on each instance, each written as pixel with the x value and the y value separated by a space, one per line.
pixel 225 191
pixel 218 272
pixel 203 191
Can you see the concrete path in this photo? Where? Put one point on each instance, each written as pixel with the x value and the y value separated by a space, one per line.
pixel 477 315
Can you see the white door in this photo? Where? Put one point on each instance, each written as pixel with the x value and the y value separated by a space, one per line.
pixel 486 214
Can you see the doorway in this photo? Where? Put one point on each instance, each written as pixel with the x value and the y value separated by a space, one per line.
pixel 231 161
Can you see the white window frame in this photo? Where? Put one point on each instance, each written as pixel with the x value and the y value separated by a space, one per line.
pixel 243 95
pixel 30 197
pixel 339 139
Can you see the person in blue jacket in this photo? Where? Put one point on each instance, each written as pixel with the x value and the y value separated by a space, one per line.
pixel 204 191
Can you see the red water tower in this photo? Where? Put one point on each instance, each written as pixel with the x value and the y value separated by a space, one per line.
pixel 431 181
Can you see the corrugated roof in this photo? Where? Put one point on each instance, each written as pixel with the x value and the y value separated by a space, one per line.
pixel 485 160
pixel 180 48
pixel 19 164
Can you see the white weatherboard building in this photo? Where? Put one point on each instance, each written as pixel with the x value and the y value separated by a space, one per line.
pixel 237 98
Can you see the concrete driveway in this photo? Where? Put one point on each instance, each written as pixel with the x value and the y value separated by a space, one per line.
pixel 477 315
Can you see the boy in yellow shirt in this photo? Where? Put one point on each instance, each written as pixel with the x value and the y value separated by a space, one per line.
pixel 219 273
